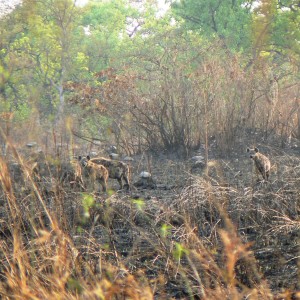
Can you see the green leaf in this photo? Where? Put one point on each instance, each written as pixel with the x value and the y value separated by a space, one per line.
pixel 140 203
pixel 88 201
pixel 179 251
pixel 165 230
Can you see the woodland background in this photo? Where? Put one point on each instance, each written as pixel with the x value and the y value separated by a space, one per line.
pixel 205 78
pixel 128 72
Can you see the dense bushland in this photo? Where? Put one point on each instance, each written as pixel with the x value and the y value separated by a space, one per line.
pixel 161 87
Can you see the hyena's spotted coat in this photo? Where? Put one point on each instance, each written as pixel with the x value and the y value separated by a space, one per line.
pixel 261 162
pixel 93 172
pixel 116 169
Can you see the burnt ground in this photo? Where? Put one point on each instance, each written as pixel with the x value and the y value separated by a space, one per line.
pixel 140 230
pixel 265 215
pixel 262 213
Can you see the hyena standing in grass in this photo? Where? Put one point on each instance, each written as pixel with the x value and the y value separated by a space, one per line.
pixel 261 162
pixel 116 169
pixel 93 172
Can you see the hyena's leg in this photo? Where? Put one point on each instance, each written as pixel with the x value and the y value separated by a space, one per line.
pixel 120 182
pixel 267 173
pixel 257 174
pixel 103 184
pixel 126 181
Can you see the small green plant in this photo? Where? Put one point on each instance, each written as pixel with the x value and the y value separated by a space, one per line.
pixel 140 204
pixel 179 251
pixel 165 230
pixel 88 202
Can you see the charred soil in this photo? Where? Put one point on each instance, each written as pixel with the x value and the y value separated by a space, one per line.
pixel 197 233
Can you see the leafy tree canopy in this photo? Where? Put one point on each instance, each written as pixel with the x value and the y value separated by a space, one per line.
pixel 228 20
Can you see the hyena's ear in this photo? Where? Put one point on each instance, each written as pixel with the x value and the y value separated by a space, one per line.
pixel 79 157
pixel 256 149
pixel 88 157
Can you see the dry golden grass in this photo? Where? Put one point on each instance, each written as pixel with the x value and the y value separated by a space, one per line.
pixel 205 239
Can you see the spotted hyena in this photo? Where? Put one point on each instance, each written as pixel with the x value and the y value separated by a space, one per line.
pixel 93 172
pixel 261 162
pixel 116 169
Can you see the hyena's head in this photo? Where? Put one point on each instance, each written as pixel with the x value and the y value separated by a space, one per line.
pixel 84 160
pixel 252 152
